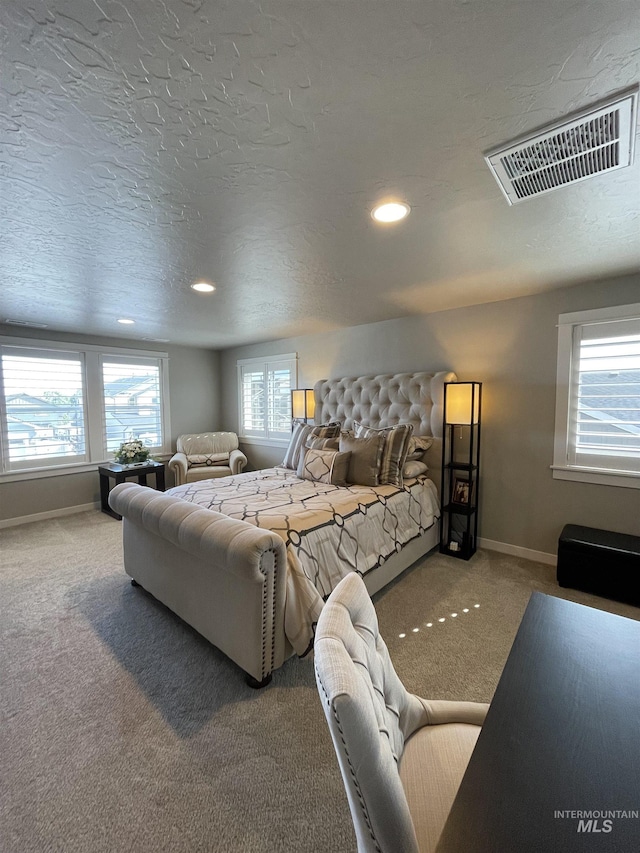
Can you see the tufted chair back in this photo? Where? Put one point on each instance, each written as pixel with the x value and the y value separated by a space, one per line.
pixel 370 714
pixel 207 444
pixel 402 757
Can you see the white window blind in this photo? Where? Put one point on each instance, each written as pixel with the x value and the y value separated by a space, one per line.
pixel 132 402
pixel 264 393
pixel 598 396
pixel 605 417
pixel 279 387
pixel 44 415
pixel 253 400
pixel 64 406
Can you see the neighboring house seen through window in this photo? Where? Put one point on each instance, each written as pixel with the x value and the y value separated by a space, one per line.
pixel 65 406
pixel 264 395
pixel 598 397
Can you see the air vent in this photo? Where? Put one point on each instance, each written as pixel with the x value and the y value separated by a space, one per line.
pixel 26 323
pixel 589 144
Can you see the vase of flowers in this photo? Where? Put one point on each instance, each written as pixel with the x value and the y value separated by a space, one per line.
pixel 132 453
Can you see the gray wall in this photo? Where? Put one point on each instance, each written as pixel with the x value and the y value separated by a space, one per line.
pixel 511 347
pixel 194 407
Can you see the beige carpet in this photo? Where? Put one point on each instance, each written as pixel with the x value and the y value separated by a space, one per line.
pixel 122 730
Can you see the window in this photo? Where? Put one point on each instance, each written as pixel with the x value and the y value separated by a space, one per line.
pixel 264 394
pixel 131 389
pixel 598 397
pixel 72 406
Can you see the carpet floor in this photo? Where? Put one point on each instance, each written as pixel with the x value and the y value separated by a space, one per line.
pixel 123 730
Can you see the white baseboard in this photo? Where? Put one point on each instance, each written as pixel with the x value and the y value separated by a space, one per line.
pixel 52 513
pixel 517 551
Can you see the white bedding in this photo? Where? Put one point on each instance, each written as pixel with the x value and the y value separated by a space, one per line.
pixel 328 530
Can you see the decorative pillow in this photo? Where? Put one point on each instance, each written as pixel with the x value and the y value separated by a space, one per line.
pixel 195 459
pixel 322 443
pixel 394 453
pixel 301 432
pixel 324 466
pixel 413 468
pixel 366 456
pixel 418 446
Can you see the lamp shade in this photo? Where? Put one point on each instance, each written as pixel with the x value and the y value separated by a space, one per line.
pixel 303 404
pixel 462 402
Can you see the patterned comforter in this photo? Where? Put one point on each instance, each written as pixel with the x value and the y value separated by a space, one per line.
pixel 328 530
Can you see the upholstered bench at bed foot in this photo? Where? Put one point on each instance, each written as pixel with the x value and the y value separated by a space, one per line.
pixel 599 562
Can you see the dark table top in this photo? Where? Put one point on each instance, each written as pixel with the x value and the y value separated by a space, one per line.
pixel 117 468
pixel 557 764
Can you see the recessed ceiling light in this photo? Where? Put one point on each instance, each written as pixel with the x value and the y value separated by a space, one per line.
pixel 392 211
pixel 126 322
pixel 203 287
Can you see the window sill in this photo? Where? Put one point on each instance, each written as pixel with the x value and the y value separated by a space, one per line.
pixel 63 470
pixel 623 479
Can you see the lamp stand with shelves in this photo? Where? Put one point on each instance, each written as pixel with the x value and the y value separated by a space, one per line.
pixel 460 479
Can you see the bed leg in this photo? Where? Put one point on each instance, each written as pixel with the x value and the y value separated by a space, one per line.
pixel 257 685
pixel 134 582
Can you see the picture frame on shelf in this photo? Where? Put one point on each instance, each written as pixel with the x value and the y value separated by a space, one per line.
pixel 461 492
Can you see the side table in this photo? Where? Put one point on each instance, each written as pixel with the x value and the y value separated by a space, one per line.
pixel 119 473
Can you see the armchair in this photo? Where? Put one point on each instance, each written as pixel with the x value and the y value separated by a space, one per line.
pixel 200 456
pixel 402 758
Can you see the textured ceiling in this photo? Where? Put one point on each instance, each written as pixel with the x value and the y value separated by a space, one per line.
pixel 146 144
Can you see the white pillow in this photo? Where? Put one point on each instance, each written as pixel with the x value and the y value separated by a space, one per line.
pixel 413 468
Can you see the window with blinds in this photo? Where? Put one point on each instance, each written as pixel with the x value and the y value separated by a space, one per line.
pixel 44 414
pixel 132 402
pixel 599 369
pixel 61 406
pixel 264 394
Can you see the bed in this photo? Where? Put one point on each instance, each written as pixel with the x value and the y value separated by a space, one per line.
pixel 248 560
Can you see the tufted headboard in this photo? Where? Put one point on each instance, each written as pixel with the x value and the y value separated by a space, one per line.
pixel 384 400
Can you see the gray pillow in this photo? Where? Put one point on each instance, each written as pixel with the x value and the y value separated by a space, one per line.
pixel 394 453
pixel 366 455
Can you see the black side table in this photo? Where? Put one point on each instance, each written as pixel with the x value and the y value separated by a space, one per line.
pixel 120 473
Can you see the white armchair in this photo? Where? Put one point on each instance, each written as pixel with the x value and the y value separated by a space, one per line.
pixel 201 456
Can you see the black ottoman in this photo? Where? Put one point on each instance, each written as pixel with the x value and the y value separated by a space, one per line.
pixel 600 562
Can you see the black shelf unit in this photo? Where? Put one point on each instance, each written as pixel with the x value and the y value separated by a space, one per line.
pixel 460 481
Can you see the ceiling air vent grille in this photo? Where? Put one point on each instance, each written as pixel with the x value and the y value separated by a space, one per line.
pixel 564 153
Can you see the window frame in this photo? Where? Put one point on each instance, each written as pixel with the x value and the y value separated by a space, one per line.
pixel 91 357
pixel 266 363
pixel 563 467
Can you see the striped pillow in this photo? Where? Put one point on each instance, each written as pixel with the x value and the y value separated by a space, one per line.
pixel 418 446
pixel 322 443
pixel 301 432
pixel 394 453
